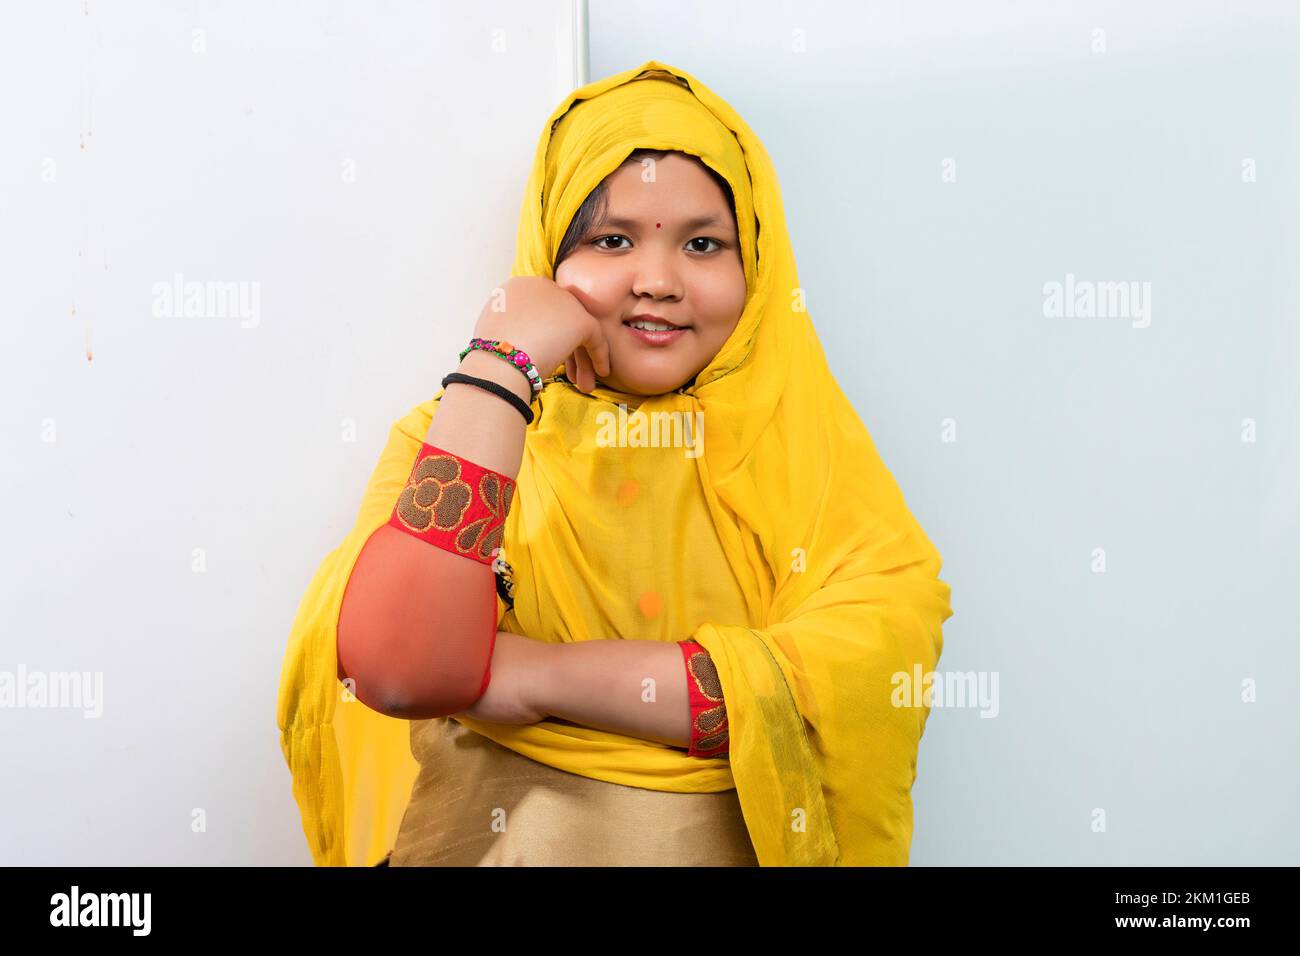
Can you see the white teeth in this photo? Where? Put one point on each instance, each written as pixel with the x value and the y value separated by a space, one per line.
pixel 651 326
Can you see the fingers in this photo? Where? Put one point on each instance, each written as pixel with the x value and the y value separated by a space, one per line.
pixel 586 374
pixel 589 360
pixel 597 347
pixel 576 370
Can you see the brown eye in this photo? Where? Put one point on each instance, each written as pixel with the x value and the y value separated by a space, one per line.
pixel 603 238
pixel 705 239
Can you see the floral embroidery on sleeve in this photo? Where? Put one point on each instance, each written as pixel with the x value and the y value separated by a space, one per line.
pixel 454 504
pixel 710 735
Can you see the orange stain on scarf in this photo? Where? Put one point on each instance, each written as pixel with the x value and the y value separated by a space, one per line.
pixel 628 492
pixel 650 604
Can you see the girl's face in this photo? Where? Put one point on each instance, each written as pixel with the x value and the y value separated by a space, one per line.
pixel 667 248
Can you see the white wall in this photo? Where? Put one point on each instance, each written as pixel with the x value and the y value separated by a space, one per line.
pixel 360 169
pixel 1119 690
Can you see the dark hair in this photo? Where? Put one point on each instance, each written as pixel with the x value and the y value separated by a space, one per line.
pixel 596 206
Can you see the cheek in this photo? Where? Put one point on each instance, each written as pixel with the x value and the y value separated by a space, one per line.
pixel 721 300
pixel 598 288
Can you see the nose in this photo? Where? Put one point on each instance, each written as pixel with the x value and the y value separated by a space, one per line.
pixel 656 276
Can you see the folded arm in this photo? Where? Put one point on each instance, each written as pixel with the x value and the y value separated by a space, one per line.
pixel 645 689
pixel 418 622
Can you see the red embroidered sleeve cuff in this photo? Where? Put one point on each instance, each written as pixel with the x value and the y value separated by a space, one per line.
pixel 458 506
pixel 454 504
pixel 710 736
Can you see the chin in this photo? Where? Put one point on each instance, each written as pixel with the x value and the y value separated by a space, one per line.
pixel 648 384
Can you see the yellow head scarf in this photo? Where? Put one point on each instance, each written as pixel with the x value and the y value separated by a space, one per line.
pixel 784 548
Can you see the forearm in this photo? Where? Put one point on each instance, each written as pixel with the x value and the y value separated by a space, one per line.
pixel 477 425
pixel 417 620
pixel 636 688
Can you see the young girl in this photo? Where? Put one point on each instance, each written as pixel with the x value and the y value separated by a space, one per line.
pixel 665 606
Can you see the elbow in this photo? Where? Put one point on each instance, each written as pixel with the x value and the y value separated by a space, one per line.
pixel 404 704
pixel 407 647
pixel 437 695
pixel 377 675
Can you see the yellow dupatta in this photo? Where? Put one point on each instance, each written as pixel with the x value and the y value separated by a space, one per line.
pixel 844 606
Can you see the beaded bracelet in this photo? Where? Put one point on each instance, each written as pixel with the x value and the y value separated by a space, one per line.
pixel 710 734
pixel 505 576
pixel 516 357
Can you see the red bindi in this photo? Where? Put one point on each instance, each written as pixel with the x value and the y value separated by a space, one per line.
pixel 657 225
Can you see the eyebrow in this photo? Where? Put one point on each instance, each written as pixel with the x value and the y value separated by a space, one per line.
pixel 699 222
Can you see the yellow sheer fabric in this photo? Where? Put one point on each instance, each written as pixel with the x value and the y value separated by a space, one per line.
pixel 837 591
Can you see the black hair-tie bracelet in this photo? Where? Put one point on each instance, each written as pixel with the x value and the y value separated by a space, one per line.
pixel 496 389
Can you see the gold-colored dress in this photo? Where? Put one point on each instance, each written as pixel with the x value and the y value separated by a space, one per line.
pixel 477 803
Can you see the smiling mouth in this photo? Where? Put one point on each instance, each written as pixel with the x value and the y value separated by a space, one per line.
pixel 659 325
pixel 656 337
